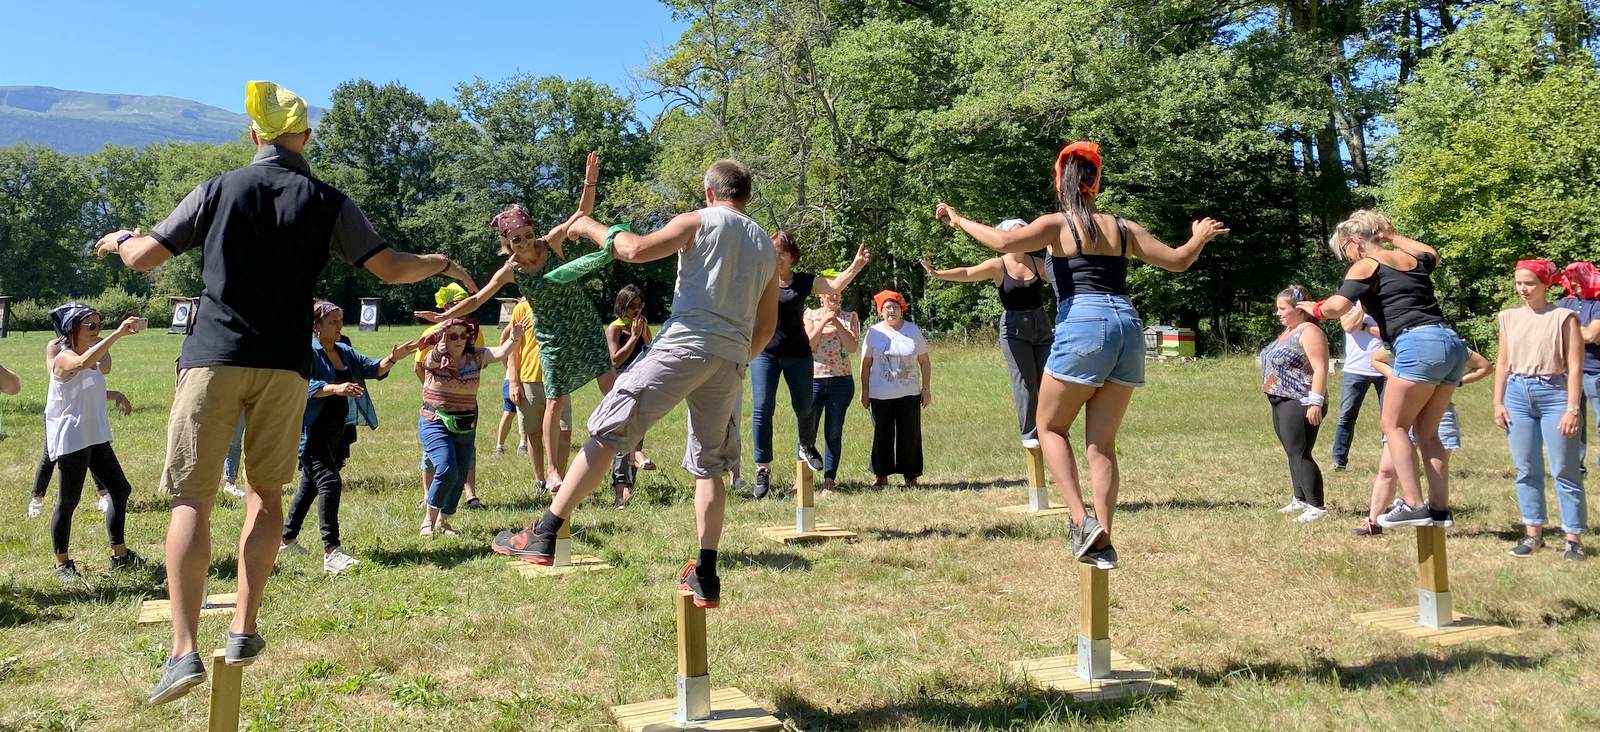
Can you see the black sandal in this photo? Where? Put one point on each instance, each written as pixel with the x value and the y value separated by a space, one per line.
pixel 476 504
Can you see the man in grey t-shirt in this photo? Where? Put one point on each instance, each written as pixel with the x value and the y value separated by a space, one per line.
pixel 724 310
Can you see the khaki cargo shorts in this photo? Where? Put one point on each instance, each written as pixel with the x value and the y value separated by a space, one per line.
pixel 658 382
pixel 206 409
pixel 530 409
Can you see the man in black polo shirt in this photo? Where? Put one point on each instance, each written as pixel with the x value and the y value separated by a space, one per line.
pixel 266 231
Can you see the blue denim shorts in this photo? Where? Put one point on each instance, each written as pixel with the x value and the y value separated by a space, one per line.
pixel 505 394
pixel 1432 354
pixel 1098 338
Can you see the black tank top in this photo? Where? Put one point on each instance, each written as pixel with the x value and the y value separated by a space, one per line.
pixel 1016 295
pixel 1102 273
pixel 1398 300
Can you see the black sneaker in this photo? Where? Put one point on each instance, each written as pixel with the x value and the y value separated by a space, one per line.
pixel 1528 545
pixel 67 573
pixel 178 676
pixel 813 458
pixel 502 543
pixel 1367 527
pixel 763 482
pixel 707 590
pixel 127 561
pixel 1401 514
pixel 531 546
pixel 1442 518
pixel 243 648
pixel 1574 552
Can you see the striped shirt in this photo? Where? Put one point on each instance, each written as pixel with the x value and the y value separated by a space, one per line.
pixel 452 389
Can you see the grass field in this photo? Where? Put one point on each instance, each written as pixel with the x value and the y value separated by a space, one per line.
pixel 912 628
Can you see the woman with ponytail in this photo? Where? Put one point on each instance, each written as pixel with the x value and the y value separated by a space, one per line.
pixel 1097 354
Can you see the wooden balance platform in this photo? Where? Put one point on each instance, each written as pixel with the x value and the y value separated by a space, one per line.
pixel 1038 504
pixel 805 526
pixel 153 612
pixel 1096 673
pixel 1433 618
pixel 565 561
pixel 697 706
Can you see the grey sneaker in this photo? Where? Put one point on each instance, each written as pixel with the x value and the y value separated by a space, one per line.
pixel 813 458
pixel 1401 514
pixel 292 549
pixel 67 573
pixel 1574 552
pixel 127 561
pixel 1083 538
pixel 1102 558
pixel 336 561
pixel 1527 546
pixel 243 649
pixel 179 676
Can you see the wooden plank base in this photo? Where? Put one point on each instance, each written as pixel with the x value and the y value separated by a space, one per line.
pixel 580 563
pixel 731 711
pixel 1403 620
pixel 152 612
pixel 1057 674
pixel 787 534
pixel 1023 509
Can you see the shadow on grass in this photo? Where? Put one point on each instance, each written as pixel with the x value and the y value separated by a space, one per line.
pixel 1417 668
pixel 1570 612
pixel 441 554
pixel 1027 530
pixel 1508 533
pixel 1013 706
pixel 769 560
pixel 25 604
pixel 1189 504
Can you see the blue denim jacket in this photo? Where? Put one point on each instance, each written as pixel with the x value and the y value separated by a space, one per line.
pixel 361 369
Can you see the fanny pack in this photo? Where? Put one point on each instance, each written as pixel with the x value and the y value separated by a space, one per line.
pixel 458 423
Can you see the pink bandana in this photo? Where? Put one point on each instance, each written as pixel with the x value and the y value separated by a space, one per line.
pixel 511 219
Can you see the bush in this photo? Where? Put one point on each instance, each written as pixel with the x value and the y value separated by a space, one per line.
pixel 114 305
pixel 28 316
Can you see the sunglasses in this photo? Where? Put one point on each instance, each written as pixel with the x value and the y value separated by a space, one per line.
pixel 91 326
pixel 520 238
pixel 456 336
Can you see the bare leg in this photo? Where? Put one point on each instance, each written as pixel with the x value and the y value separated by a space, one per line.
pixel 1382 486
pixel 507 419
pixel 592 464
pixel 1059 404
pixel 427 480
pixel 469 489
pixel 1435 459
pixel 535 443
pixel 1101 420
pixel 188 560
pixel 1403 401
pixel 258 549
pixel 557 445
pixel 710 498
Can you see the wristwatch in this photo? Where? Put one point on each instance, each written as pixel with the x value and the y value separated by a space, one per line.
pixel 121 239
pixel 1574 411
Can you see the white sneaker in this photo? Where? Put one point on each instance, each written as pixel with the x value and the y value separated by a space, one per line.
pixel 1030 443
pixel 105 503
pixel 1295 506
pixel 233 489
pixel 336 561
pixel 35 507
pixel 1312 513
pixel 292 548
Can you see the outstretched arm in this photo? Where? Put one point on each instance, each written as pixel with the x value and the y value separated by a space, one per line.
pixel 641 248
pixel 1337 305
pixel 1174 259
pixel 398 268
pixel 1043 232
pixel 507 346
pixel 67 364
pixel 137 252
pixel 501 278
pixel 988 269
pixel 836 284
pixel 10 383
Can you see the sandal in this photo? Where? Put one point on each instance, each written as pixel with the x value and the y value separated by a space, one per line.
pixel 445 529
pixel 427 530
pixel 476 504
pixel 648 464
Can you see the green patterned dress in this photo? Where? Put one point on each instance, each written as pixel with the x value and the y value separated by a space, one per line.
pixel 572 342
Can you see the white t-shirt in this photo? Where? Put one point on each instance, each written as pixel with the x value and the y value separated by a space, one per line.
pixel 895 371
pixel 75 413
pixel 1359 348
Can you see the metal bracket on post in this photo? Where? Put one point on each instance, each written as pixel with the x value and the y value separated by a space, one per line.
pixel 805 520
pixel 694 672
pixel 1094 623
pixel 1038 493
pixel 694 700
pixel 1435 609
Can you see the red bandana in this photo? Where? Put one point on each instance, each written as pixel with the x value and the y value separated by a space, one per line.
pixel 1544 269
pixel 1582 281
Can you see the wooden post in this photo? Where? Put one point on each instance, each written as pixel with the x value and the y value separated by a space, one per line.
pixel 563 556
pixel 694 672
pixel 1038 492
pixel 1094 623
pixel 1435 609
pixel 227 686
pixel 805 511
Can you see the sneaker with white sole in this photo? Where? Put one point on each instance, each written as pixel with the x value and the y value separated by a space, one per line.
pixel 740 486
pixel 813 458
pixel 1312 513
pixel 1104 557
pixel 336 561
pixel 178 676
pixel 1294 506
pixel 1575 552
pixel 1527 546
pixel 1402 514
pixel 292 548
pixel 1030 443
pixel 233 489
pixel 104 504
pixel 35 507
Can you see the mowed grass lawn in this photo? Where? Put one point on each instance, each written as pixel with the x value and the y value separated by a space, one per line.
pixel 912 628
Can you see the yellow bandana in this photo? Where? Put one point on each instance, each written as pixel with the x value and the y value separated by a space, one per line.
pixel 274 110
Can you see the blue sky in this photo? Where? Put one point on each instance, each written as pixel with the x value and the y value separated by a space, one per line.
pixel 206 51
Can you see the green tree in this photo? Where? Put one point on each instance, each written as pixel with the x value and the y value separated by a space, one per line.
pixel 45 224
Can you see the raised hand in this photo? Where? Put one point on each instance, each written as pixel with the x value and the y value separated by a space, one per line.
pixel 1308 307
pixel 108 243
pixel 947 214
pixel 591 169
pixel 926 265
pixel 399 352
pixel 862 258
pixel 128 326
pixel 1207 229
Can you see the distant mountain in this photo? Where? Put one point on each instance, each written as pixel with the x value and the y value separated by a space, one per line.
pixel 84 122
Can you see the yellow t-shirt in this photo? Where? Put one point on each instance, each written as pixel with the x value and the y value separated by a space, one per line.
pixel 423 352
pixel 528 369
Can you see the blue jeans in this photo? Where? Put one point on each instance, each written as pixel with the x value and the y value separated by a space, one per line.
pixel 1431 354
pixel 452 457
pixel 1535 405
pixel 1098 338
pixel 1591 397
pixel 764 373
pixel 230 465
pixel 1351 393
pixel 830 399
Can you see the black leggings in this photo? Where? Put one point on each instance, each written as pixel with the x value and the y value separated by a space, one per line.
pixel 1299 438
pixel 47 468
pixel 101 461
pixel 897 436
pixel 320 463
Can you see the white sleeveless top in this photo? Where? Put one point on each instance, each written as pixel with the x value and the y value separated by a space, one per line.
pixel 721 278
pixel 75 413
